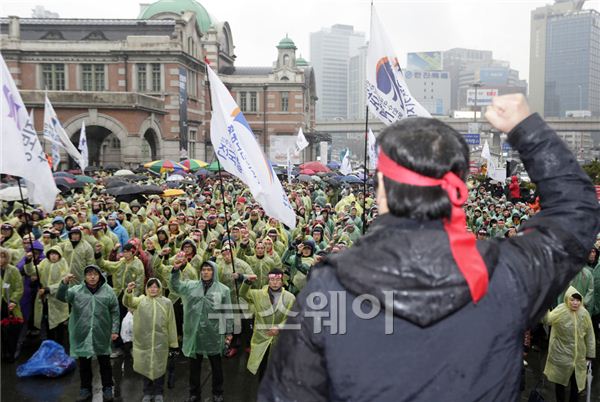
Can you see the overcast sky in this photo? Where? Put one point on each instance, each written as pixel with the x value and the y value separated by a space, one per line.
pixel 413 25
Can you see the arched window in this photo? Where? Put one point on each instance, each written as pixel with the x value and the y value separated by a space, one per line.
pixel 286 60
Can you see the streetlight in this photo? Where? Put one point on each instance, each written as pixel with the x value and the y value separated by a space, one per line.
pixel 475 85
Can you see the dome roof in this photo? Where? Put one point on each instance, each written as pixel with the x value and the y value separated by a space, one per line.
pixel 286 43
pixel 300 62
pixel 177 7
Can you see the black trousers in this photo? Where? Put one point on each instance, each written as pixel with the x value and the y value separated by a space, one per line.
pixel 154 387
pixel 56 334
pixel 243 338
pixel 262 369
pixel 195 375
pixel 118 344
pixel 85 371
pixel 573 392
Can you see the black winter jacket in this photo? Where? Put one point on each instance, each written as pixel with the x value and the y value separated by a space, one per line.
pixel 443 347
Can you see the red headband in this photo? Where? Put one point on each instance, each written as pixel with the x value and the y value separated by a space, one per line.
pixel 462 243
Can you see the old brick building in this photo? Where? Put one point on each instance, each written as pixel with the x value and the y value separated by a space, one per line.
pixel 139 85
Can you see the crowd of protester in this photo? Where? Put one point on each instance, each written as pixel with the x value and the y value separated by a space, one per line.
pixel 72 275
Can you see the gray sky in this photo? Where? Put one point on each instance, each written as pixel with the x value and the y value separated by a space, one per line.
pixel 413 25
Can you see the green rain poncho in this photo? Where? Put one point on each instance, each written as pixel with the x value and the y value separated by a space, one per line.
pixel 571 342
pixel 267 316
pixel 207 317
pixel 94 317
pixel 51 275
pixel 11 284
pixel 154 331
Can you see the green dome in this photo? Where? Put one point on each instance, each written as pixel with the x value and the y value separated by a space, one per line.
pixel 300 62
pixel 178 7
pixel 286 43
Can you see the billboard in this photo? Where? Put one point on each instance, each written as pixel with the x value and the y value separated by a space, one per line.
pixel 425 61
pixel 279 145
pixel 484 96
pixel 493 75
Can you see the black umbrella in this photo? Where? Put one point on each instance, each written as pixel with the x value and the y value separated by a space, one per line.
pixel 124 190
pixel 117 183
pixel 151 189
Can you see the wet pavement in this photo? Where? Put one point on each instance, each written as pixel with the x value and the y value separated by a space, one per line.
pixel 240 385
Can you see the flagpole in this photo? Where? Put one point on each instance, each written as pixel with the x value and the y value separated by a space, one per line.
pixel 223 197
pixel 366 172
pixel 37 272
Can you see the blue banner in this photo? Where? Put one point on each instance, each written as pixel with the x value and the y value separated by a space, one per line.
pixel 472 139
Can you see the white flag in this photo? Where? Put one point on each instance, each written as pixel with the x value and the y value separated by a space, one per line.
pixel 241 155
pixel 83 147
pixel 21 153
pixel 372 149
pixel 388 96
pixel 301 141
pixel 346 167
pixel 54 130
pixel 485 154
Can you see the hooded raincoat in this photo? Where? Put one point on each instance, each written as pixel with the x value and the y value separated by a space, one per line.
pixel 78 257
pixel 123 272
pixel 572 341
pixel 94 317
pixel 154 332
pixel 266 316
pixel 206 315
pixel 11 285
pixel 51 275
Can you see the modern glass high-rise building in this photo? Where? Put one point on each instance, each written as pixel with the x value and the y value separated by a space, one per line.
pixel 330 52
pixel 572 63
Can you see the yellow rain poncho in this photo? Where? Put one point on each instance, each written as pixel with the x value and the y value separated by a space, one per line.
pixel 571 342
pixel 267 316
pixel 78 257
pixel 154 331
pixel 11 284
pixel 51 274
pixel 123 272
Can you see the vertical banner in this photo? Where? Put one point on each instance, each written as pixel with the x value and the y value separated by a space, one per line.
pixel 324 151
pixel 183 123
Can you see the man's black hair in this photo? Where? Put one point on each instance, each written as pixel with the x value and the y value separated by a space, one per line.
pixel 428 147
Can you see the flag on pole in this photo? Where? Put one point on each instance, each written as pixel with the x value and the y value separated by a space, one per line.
pixel 55 131
pixel 388 96
pixel 21 153
pixel 289 167
pixel 371 149
pixel 83 147
pixel 301 141
pixel 241 155
pixel 346 167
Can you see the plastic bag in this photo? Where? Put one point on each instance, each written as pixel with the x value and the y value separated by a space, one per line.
pixel 127 328
pixel 50 360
